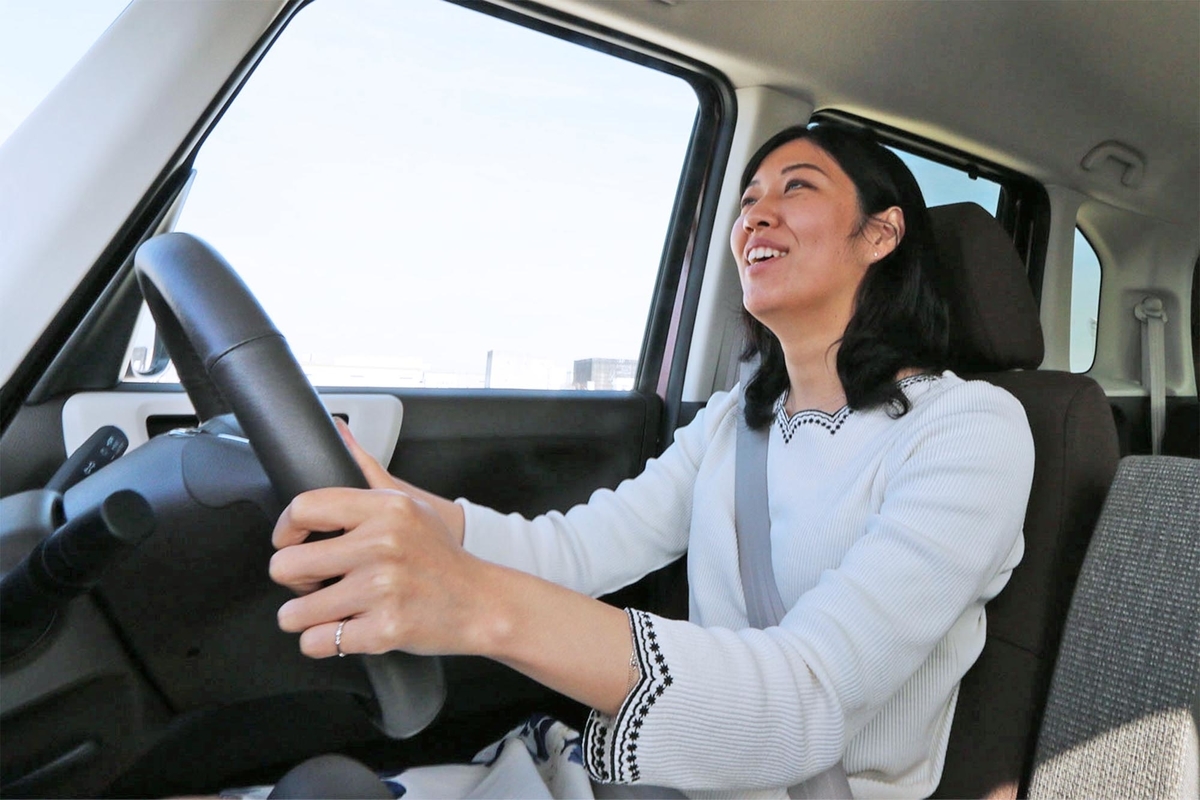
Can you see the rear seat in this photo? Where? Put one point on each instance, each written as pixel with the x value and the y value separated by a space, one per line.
pixel 1124 705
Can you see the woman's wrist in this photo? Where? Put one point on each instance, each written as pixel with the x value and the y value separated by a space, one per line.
pixel 492 628
pixel 572 643
pixel 450 512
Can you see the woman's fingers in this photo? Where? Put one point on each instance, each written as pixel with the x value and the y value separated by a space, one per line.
pixel 323 641
pixel 336 509
pixel 358 636
pixel 305 569
pixel 334 602
pixel 377 477
pixel 320 641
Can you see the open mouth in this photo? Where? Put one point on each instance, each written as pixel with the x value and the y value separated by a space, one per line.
pixel 757 255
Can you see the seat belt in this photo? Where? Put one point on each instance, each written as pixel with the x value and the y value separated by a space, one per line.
pixel 1154 318
pixel 764 606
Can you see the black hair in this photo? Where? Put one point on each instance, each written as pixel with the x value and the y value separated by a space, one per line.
pixel 900 318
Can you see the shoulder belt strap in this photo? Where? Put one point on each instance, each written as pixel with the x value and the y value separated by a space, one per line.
pixel 764 606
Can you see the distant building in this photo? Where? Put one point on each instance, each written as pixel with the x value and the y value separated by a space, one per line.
pixel 605 373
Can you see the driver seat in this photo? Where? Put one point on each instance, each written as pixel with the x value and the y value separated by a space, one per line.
pixel 996 336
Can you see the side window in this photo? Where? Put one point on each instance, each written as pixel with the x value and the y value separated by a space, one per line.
pixel 1085 303
pixel 423 195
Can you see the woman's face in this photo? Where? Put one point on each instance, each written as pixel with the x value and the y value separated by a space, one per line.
pixel 798 253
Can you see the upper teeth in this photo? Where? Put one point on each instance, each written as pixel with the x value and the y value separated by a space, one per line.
pixel 761 253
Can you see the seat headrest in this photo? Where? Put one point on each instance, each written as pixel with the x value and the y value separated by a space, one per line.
pixel 994 322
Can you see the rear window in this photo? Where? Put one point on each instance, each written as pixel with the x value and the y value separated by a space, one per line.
pixel 942 185
pixel 1085 303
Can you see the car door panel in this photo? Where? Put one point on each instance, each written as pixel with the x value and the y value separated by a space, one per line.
pixel 550 450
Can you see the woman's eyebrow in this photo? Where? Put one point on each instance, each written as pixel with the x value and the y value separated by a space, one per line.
pixel 792 168
pixel 802 165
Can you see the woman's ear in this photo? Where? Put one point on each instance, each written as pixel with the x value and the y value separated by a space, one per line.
pixel 885 232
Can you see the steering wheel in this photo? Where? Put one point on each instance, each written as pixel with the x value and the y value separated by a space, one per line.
pixel 231 358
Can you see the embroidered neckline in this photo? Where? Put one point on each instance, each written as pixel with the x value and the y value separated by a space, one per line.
pixel 920 377
pixel 789 424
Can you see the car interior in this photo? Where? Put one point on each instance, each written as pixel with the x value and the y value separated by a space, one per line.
pixel 154 425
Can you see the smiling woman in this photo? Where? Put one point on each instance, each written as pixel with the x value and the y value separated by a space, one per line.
pixel 838 268
pixel 882 589
pixel 804 206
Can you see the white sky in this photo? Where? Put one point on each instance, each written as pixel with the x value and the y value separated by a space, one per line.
pixel 413 179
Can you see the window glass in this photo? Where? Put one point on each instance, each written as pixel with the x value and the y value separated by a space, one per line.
pixel 423 195
pixel 1085 304
pixel 941 184
pixel 40 40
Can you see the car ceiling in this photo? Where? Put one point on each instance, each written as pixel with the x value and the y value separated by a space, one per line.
pixel 1029 85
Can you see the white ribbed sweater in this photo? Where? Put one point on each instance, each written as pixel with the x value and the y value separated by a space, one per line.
pixel 888 536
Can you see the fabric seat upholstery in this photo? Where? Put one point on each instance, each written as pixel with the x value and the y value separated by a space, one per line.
pixel 996 336
pixel 1121 719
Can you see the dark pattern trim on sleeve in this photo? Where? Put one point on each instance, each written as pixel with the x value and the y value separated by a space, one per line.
pixel 611 743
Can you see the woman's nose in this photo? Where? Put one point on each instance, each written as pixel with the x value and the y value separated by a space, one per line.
pixel 759 215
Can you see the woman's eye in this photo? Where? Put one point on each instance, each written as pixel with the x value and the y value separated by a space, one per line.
pixel 747 202
pixel 795 183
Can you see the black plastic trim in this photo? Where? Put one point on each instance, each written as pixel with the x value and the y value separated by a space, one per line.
pixel 1025 213
pixel 926 148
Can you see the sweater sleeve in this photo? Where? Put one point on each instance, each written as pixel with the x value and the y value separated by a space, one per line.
pixel 756 709
pixel 618 535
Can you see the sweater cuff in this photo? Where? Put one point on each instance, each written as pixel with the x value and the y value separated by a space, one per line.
pixel 610 744
pixel 485 533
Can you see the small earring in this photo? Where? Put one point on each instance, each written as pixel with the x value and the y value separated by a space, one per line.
pixel 876 254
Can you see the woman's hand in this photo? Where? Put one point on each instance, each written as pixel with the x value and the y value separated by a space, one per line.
pixel 398 578
pixel 398 573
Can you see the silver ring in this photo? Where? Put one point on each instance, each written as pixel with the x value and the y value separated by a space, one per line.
pixel 337 637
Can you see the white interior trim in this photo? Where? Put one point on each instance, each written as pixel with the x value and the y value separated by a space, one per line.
pixel 375 419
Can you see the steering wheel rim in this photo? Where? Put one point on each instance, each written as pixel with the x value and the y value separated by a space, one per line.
pixel 231 358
